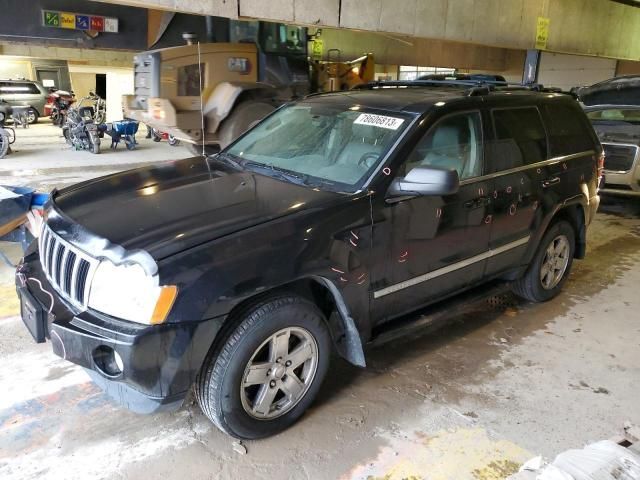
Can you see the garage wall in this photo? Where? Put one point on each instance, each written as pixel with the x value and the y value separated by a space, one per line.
pixel 567 71
pixel 119 83
pixel 626 67
pixel 83 83
pixel 15 68
pixel 399 50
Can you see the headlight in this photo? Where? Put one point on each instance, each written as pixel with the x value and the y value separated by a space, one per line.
pixel 127 292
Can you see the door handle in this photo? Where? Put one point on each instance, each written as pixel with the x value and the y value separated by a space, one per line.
pixel 477 202
pixel 550 181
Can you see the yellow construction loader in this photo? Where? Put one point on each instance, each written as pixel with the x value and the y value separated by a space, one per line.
pixel 222 89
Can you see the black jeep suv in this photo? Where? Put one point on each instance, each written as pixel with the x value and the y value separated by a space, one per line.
pixel 241 272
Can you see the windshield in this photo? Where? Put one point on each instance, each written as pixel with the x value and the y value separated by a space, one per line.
pixel 616 115
pixel 324 145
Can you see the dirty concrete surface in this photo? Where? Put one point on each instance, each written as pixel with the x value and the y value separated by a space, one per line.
pixel 502 382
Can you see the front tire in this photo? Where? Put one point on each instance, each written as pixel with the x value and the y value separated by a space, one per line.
pixel 551 265
pixel 268 369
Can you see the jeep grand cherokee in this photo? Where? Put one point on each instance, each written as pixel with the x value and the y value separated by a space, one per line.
pixel 239 273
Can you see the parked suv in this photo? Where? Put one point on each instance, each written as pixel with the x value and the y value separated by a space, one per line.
pixel 25 93
pixel 618 127
pixel 241 272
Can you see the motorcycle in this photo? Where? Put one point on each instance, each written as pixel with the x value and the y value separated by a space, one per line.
pixel 59 103
pixel 80 131
pixel 99 108
pixel 7 135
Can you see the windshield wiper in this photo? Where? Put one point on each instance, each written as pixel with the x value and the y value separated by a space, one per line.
pixel 230 160
pixel 277 172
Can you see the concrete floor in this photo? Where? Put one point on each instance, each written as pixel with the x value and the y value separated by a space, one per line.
pixel 472 400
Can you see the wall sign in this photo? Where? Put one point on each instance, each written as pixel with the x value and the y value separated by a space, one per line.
pixel 542 33
pixel 79 21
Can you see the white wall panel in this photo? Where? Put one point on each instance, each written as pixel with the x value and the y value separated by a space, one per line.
pixel 566 71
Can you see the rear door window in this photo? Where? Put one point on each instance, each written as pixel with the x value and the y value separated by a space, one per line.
pixel 520 138
pixel 568 130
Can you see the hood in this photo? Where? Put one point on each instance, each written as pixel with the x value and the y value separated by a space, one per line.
pixel 616 132
pixel 169 207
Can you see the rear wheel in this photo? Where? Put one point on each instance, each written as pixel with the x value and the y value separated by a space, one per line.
pixel 551 265
pixel 32 116
pixel 94 146
pixel 268 370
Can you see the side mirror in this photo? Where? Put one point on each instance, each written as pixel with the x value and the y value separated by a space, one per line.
pixel 422 181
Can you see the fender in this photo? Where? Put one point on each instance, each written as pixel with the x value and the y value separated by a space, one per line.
pixel 345 333
pixel 581 202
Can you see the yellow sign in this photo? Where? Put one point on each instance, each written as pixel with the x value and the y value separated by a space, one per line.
pixel 317 49
pixel 542 33
pixel 67 20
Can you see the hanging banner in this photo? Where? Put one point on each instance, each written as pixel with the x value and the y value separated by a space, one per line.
pixel 79 21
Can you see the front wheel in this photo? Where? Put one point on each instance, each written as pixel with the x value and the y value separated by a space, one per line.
pixel 550 266
pixel 268 370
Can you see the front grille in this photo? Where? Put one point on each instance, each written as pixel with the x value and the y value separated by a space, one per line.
pixel 67 268
pixel 619 158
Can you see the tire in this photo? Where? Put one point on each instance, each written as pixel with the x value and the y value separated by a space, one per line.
pixel 243 116
pixel 4 142
pixel 173 141
pixel 236 410
pixel 32 116
pixel 94 147
pixel 536 286
pixel 155 135
pixel 196 149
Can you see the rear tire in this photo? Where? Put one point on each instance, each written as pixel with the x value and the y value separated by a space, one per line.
pixel 550 266
pixel 95 147
pixel 271 339
pixel 32 116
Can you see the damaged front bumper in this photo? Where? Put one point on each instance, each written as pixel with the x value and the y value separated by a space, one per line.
pixel 146 368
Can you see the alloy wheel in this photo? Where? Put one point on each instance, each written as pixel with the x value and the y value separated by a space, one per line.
pixel 555 262
pixel 279 373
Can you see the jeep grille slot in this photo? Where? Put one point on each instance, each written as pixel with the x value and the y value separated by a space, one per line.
pixel 66 267
pixel 619 158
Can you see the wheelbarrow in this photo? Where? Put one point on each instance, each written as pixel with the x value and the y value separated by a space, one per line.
pixel 122 130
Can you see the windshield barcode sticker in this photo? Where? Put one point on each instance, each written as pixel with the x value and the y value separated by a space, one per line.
pixel 392 123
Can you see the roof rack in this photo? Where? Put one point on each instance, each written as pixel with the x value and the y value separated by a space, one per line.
pixel 472 87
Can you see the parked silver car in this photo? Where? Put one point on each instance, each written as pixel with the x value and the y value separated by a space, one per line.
pixel 618 127
pixel 25 93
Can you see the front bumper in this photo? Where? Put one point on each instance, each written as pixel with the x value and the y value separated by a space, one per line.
pixel 158 363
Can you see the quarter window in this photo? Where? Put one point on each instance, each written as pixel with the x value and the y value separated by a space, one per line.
pixel 568 132
pixel 520 138
pixel 455 142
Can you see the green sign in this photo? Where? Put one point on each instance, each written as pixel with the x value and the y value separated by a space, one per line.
pixel 51 19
